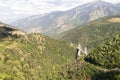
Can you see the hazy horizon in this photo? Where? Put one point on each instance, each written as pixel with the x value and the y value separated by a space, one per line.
pixel 13 9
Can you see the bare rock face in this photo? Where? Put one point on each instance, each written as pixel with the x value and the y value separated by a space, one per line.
pixel 1 25
pixel 16 32
pixel 9 30
pixel 114 20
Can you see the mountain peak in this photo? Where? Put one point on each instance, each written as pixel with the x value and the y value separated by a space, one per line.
pixel 100 1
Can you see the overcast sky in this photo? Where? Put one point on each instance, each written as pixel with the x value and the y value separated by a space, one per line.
pixel 14 9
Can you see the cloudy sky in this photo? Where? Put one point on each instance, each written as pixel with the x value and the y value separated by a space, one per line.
pixel 14 9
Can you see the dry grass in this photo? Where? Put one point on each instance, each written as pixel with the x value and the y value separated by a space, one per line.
pixel 114 20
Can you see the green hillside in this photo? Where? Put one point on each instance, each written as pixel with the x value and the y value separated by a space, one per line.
pixel 38 57
pixel 107 54
pixel 93 32
pixel 33 56
pixel 102 63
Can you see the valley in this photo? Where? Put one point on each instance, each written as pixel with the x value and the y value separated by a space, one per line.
pixel 82 43
pixel 36 56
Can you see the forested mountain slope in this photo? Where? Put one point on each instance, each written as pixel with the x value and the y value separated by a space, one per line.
pixel 107 54
pixel 102 63
pixel 93 32
pixel 38 57
pixel 33 56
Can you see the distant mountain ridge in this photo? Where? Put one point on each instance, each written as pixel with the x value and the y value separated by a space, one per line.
pixel 118 4
pixel 59 21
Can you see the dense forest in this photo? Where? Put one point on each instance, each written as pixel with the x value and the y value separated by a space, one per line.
pixel 33 56
pixel 102 63
pixel 107 55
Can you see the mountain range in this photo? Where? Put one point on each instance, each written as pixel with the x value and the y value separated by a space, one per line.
pixel 60 21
